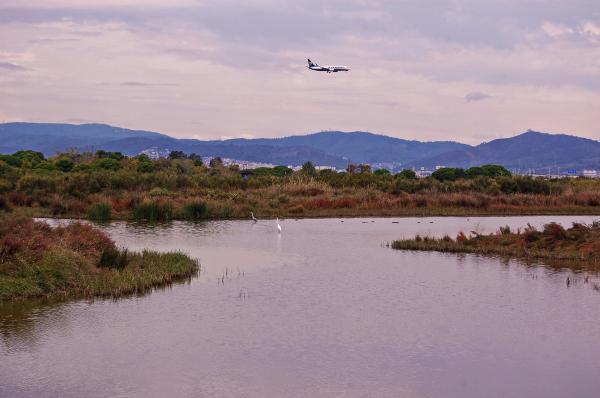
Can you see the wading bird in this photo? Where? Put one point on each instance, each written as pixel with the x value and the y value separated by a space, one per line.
pixel 253 218
pixel 278 226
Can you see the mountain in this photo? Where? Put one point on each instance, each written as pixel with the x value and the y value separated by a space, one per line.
pixel 50 138
pixel 333 148
pixel 362 147
pixel 529 150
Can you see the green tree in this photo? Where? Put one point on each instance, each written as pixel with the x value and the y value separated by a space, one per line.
pixel 197 159
pixel 488 170
pixel 382 172
pixel 407 174
pixel 108 164
pixel 448 174
pixel 177 155
pixel 216 162
pixel 364 168
pixel 146 167
pixel 64 164
pixel 309 169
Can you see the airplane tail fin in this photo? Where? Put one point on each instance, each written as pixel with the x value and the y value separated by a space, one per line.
pixel 311 63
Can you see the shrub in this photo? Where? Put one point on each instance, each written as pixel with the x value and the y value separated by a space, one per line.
pixel 108 164
pixel 153 211
pixel 64 164
pixel 146 167
pixel 99 212
pixel 505 230
pixel 407 174
pixel 195 211
pixel 114 258
pixel 556 231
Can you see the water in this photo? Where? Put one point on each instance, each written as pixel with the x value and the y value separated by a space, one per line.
pixel 322 310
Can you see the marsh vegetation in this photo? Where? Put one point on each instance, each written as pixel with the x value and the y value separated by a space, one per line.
pixel 107 185
pixel 575 245
pixel 78 260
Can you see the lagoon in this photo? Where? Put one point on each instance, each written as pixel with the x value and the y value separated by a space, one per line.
pixel 323 309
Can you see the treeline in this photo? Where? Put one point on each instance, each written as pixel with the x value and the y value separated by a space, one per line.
pixel 105 185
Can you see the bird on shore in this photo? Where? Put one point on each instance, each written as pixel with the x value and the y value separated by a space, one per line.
pixel 278 226
pixel 253 218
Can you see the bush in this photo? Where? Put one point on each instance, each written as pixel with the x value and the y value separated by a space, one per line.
pixel 99 212
pixel 64 165
pixel 408 174
pixel 146 167
pixel 153 211
pixel 114 258
pixel 108 164
pixel 195 211
pixel 505 230
pixel 448 174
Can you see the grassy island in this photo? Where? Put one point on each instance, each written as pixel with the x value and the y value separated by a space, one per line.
pixel 580 243
pixel 77 260
pixel 108 185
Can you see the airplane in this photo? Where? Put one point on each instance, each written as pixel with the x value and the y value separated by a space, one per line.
pixel 329 69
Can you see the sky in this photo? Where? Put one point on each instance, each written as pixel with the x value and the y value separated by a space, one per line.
pixel 462 70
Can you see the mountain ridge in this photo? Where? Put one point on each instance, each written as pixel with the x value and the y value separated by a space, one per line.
pixel 529 150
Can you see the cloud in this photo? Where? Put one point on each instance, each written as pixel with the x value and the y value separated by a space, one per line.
pixel 145 84
pixel 476 96
pixel 214 68
pixel 12 66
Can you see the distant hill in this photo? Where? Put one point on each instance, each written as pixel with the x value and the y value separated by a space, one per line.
pixel 530 150
pixel 362 147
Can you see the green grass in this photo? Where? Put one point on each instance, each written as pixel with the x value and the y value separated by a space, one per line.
pixel 64 274
pixel 99 212
pixel 194 211
pixel 153 211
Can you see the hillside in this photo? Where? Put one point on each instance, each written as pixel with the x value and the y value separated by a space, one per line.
pixel 363 147
pixel 530 150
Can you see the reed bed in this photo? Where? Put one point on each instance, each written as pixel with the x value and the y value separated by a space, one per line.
pixel 577 244
pixel 78 261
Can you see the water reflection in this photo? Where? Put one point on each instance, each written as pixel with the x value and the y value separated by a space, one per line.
pixel 320 310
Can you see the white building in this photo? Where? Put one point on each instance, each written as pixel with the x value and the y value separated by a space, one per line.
pixel 590 173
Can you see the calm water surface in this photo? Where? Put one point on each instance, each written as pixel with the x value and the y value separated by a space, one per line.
pixel 322 310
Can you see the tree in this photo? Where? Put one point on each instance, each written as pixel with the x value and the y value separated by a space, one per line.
pixel 382 172
pixel 101 154
pixel 146 167
pixel 448 174
pixel 488 170
pixel 407 174
pixel 64 164
pixel 177 155
pixel 216 162
pixel 309 169
pixel 351 168
pixel 108 164
pixel 29 157
pixel 197 159
pixel 364 168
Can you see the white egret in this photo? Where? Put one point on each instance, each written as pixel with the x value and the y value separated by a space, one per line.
pixel 278 226
pixel 253 218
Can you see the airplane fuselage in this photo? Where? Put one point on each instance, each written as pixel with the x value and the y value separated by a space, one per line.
pixel 328 69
